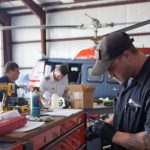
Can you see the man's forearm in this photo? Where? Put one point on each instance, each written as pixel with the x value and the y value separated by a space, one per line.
pixel 43 100
pixel 65 93
pixel 147 141
pixel 138 141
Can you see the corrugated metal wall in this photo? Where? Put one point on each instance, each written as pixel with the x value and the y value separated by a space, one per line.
pixel 26 54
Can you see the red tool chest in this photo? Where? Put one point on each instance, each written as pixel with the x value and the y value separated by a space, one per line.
pixel 63 133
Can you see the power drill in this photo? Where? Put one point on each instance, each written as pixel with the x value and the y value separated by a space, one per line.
pixel 8 89
pixel 9 102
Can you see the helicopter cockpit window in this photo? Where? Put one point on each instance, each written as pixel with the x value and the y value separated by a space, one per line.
pixel 73 74
pixel 57 65
pixel 94 78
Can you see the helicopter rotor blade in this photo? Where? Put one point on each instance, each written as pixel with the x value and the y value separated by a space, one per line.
pixel 102 25
pixel 137 25
pixel 3 28
pixel 81 26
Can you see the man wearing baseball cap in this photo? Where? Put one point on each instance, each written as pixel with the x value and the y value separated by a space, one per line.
pixel 130 126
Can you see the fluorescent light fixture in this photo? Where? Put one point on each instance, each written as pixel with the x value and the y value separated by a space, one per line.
pixel 67 1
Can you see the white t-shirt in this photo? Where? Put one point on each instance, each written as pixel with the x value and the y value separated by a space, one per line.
pixel 49 86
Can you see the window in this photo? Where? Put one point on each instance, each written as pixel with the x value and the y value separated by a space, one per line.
pixel 94 78
pixel 74 74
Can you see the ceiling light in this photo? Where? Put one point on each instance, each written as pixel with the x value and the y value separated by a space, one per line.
pixel 67 1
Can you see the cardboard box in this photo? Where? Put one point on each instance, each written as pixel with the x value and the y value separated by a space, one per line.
pixel 81 104
pixel 81 87
pixel 85 96
pixel 81 95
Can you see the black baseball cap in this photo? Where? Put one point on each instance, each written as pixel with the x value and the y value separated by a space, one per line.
pixel 108 49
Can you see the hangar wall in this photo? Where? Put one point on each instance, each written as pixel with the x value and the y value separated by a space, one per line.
pixel 27 53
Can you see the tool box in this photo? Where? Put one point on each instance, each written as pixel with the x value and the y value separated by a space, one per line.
pixel 12 124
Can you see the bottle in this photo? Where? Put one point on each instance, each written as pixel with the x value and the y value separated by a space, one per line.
pixel 35 102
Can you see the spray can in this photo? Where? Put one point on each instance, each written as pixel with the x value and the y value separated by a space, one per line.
pixel 35 102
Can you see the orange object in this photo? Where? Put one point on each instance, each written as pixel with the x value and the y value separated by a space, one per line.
pixel 34 83
pixel 89 53
pixel 145 50
pixel 86 54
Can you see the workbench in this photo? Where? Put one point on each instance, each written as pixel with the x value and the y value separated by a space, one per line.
pixel 64 133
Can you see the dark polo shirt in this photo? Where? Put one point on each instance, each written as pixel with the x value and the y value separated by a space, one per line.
pixel 132 106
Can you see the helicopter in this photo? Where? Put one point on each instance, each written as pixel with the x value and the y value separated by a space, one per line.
pixel 90 53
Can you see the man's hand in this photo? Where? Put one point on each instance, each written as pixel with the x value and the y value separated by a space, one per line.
pixel 100 129
pixel 89 134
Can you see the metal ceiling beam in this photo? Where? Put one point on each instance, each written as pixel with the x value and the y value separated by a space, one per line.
pixel 35 9
pixel 48 4
pixel 89 6
pixel 6 21
pixel 40 13
pixel 78 1
pixel 41 5
pixel 4 17
pixel 3 1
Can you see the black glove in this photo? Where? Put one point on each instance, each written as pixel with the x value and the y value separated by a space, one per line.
pixel 89 134
pixel 100 129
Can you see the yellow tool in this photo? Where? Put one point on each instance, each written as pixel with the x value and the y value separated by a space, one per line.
pixel 9 102
pixel 8 88
pixel 24 109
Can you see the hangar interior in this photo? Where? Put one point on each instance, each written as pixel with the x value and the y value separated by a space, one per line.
pixel 40 36
pixel 72 27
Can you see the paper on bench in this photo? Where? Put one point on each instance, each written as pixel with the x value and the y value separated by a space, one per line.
pixel 63 112
pixel 9 115
pixel 29 126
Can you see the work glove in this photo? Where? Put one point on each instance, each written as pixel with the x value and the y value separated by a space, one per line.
pixel 89 134
pixel 100 129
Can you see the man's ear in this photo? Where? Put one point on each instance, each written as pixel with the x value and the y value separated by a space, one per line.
pixel 127 54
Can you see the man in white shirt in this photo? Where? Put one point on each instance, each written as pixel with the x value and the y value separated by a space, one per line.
pixel 55 83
